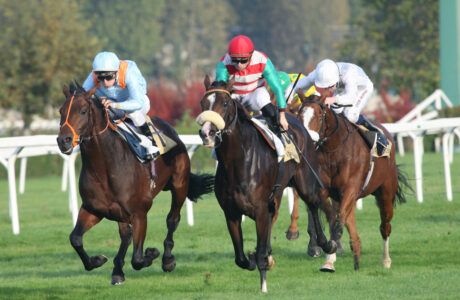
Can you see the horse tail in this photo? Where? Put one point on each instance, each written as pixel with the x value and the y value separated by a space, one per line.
pixel 199 185
pixel 403 183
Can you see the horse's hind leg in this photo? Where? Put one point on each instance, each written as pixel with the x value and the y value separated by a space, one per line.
pixel 126 234
pixel 172 221
pixel 85 221
pixel 140 260
pixel 385 204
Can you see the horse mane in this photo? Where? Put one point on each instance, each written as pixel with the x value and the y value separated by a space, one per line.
pixel 76 88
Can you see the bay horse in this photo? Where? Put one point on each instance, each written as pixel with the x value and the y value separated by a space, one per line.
pixel 345 169
pixel 249 180
pixel 115 185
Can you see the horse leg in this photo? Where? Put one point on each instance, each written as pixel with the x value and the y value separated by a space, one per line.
pixel 139 260
pixel 293 231
pixel 313 249
pixel 85 221
pixel 327 246
pixel 336 227
pixel 234 228
pixel 385 204
pixel 263 237
pixel 126 234
pixel 347 215
pixel 172 221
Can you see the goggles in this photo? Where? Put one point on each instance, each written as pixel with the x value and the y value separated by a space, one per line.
pixel 240 60
pixel 105 76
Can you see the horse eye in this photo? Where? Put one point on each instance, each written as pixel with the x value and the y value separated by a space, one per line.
pixel 225 103
pixel 83 111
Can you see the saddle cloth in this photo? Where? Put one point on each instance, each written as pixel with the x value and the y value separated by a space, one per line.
pixel 285 148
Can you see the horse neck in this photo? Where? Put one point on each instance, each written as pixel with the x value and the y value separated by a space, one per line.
pixel 104 147
pixel 336 130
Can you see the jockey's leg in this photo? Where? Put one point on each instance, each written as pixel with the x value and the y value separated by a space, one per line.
pixel 382 140
pixel 270 113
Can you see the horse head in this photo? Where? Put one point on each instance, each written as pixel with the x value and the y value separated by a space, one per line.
pixel 77 120
pixel 219 111
pixel 312 114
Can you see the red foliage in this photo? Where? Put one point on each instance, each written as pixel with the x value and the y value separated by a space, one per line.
pixel 170 102
pixel 395 107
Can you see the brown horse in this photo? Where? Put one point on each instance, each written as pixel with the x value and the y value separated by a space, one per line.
pixel 115 185
pixel 345 167
pixel 249 179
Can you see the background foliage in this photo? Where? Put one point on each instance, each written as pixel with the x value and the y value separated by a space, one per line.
pixel 44 44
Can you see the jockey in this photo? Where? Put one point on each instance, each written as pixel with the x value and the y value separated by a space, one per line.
pixel 121 85
pixel 346 84
pixel 250 69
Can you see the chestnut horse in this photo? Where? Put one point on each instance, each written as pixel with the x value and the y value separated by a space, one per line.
pixel 115 185
pixel 345 167
pixel 249 179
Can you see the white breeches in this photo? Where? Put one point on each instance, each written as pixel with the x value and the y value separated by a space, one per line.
pixel 255 100
pixel 138 116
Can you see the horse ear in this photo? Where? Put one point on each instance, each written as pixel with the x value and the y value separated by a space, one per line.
pixel 230 83
pixel 301 95
pixel 66 91
pixel 89 93
pixel 207 82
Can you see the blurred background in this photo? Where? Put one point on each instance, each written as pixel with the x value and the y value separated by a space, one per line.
pixel 44 44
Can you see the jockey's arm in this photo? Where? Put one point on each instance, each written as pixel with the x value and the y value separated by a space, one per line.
pixel 89 82
pixel 350 96
pixel 303 83
pixel 273 81
pixel 136 97
pixel 221 72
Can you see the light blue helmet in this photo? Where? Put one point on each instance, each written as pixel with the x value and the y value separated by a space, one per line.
pixel 106 62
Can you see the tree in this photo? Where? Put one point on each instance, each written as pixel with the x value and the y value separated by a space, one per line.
pixel 43 45
pixel 131 29
pixel 293 32
pixel 396 42
pixel 196 34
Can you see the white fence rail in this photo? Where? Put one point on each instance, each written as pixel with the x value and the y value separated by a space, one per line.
pixel 23 147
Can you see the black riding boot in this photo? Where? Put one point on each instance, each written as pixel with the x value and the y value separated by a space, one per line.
pixel 271 115
pixel 382 141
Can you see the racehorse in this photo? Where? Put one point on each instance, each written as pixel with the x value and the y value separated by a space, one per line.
pixel 349 171
pixel 249 180
pixel 115 185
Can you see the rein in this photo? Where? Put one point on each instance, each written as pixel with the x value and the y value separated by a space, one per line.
pixel 78 139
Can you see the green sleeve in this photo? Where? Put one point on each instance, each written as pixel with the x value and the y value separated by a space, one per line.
pixel 221 72
pixel 274 83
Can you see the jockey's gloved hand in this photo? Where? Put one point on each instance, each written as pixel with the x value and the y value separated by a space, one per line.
pixel 116 114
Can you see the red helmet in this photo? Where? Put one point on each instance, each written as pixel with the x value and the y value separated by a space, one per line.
pixel 240 46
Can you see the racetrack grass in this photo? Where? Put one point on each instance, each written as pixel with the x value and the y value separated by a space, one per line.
pixel 40 263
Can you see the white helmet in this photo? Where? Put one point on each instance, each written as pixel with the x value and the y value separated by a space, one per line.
pixel 327 74
pixel 106 62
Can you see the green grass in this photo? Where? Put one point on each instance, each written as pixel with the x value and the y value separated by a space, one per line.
pixel 39 263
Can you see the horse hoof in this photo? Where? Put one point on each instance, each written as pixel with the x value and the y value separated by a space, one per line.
pixel 117 280
pixel 152 253
pixel 252 261
pixel 97 261
pixel 386 263
pixel 327 267
pixel 292 236
pixel 169 264
pixel 314 251
pixel 271 262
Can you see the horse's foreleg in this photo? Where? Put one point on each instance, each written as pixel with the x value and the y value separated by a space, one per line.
pixel 293 230
pixel 347 215
pixel 172 221
pixel 313 249
pixel 85 221
pixel 327 246
pixel 234 228
pixel 140 260
pixel 263 237
pixel 126 234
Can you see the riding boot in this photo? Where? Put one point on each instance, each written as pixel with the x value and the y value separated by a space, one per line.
pixel 382 141
pixel 145 130
pixel 271 115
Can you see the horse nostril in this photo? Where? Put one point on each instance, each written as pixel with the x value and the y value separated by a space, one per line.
pixel 67 139
pixel 212 133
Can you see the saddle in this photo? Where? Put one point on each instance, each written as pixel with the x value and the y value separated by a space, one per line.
pixel 284 147
pixel 377 147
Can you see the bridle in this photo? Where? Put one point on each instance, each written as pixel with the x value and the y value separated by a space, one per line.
pixel 324 126
pixel 227 129
pixel 77 139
